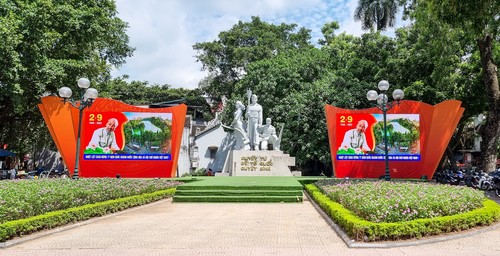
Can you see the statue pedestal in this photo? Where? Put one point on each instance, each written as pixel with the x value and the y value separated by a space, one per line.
pixel 258 163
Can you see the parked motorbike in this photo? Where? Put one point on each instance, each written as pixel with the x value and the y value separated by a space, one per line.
pixel 64 174
pixel 495 181
pixel 449 177
pixel 473 177
pixel 485 182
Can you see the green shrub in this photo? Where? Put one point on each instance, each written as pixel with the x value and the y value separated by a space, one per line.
pixel 382 201
pixel 200 172
pixel 363 230
pixel 21 227
pixel 20 199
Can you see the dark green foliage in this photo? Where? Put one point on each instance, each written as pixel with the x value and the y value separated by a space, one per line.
pixel 228 57
pixel 481 27
pixel 46 45
pixel 380 14
pixel 430 61
pixel 363 230
pixel 21 227
pixel 141 93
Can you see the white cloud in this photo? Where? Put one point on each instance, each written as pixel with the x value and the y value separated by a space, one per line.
pixel 163 32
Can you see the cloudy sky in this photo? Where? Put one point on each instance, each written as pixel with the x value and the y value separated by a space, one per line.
pixel 163 31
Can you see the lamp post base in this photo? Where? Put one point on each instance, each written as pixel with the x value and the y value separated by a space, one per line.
pixel 387 177
pixel 75 175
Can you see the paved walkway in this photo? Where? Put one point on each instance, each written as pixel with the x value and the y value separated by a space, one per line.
pixel 166 228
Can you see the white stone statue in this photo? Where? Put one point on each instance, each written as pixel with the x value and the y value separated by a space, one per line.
pixel 254 116
pixel 242 141
pixel 268 136
pixel 256 136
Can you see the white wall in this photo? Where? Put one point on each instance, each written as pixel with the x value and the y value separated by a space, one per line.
pixel 183 163
pixel 213 137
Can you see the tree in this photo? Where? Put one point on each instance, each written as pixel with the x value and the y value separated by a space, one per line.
pixel 141 93
pixel 328 31
pixel 228 57
pixel 433 63
pixel 294 86
pixel 378 13
pixel 49 44
pixel 479 20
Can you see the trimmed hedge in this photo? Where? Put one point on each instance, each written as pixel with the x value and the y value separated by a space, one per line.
pixel 50 220
pixel 363 230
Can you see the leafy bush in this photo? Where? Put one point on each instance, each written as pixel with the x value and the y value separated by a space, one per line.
pixel 200 172
pixel 21 199
pixel 21 227
pixel 397 201
pixel 362 230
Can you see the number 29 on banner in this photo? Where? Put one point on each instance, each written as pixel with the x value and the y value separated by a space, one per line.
pixel 345 119
pixel 95 117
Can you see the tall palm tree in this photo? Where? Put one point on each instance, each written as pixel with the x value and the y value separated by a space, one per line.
pixel 379 13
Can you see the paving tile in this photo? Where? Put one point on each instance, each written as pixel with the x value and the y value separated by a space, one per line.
pixel 166 228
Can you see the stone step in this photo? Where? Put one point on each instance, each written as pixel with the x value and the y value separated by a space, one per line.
pixel 248 199
pixel 238 187
pixel 226 192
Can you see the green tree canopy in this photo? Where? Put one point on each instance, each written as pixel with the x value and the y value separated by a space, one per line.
pixel 480 23
pixel 141 93
pixel 228 57
pixel 294 87
pixel 49 44
pixel 380 14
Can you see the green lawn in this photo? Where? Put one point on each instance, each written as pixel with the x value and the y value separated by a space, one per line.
pixel 254 182
pixel 240 189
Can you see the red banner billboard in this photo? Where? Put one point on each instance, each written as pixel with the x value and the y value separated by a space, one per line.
pixel 417 133
pixel 117 138
pixel 361 137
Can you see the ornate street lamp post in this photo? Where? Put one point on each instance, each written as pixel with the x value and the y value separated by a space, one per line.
pixel 88 97
pixel 381 101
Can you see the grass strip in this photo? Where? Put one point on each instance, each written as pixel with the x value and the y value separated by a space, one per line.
pixel 239 199
pixel 239 192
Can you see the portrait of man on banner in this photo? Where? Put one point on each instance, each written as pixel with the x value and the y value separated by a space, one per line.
pixel 361 137
pixel 355 135
pixel 103 132
pixel 105 137
pixel 356 138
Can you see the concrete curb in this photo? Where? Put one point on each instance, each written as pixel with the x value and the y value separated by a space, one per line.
pixel 38 234
pixel 389 244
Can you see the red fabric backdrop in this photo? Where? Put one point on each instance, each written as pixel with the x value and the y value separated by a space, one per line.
pixel 62 121
pixel 437 124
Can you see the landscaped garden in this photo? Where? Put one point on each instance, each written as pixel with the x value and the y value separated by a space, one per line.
pixel 379 210
pixel 30 205
pixel 367 210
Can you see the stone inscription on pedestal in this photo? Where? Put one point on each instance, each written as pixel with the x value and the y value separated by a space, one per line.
pixel 254 163
pixel 260 163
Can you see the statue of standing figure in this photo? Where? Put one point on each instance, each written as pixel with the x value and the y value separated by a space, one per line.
pixel 256 136
pixel 242 141
pixel 254 117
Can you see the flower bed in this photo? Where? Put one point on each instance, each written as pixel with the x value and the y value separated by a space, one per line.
pixel 382 201
pixel 22 199
pixel 361 229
